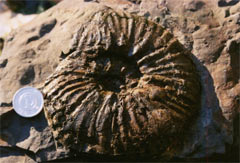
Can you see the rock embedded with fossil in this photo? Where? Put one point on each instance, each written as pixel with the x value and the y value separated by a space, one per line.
pixel 126 86
pixel 211 33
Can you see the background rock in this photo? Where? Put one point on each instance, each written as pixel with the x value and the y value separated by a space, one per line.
pixel 26 139
pixel 10 20
pixel 30 6
pixel 209 29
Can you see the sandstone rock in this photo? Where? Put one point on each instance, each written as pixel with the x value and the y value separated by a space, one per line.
pixel 10 17
pixel 10 20
pixel 209 30
pixel 28 138
pixel 208 33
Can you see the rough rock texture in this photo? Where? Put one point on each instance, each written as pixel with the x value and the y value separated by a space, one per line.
pixel 212 32
pixel 210 29
pixel 25 139
pixel 127 87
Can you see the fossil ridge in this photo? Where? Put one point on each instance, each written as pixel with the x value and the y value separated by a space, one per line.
pixel 126 86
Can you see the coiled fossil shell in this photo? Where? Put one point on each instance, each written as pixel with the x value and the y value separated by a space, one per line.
pixel 127 86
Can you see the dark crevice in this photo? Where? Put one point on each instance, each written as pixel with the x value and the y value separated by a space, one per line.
pixel 6 151
pixel 223 3
pixel 33 38
pixel 4 104
pixel 1 44
pixel 28 76
pixel 234 51
pixel 136 1
pixel 46 28
pixel 4 63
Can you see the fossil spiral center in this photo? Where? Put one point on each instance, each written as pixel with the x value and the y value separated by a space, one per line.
pixel 115 74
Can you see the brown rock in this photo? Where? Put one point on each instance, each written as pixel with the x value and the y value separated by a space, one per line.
pixel 26 139
pixel 209 31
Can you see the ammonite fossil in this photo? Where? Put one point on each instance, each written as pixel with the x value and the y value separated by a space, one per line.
pixel 128 86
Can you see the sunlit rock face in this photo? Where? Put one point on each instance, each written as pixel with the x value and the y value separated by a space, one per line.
pixel 211 32
pixel 126 86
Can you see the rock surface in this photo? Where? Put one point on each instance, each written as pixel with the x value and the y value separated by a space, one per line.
pixel 26 139
pixel 209 29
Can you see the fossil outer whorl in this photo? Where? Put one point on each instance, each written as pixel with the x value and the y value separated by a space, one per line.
pixel 128 86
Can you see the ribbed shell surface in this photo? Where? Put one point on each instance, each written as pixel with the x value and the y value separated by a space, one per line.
pixel 127 87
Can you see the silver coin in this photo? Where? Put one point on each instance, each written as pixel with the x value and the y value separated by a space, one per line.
pixel 28 102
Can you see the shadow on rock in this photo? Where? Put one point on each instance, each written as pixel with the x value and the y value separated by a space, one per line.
pixel 208 139
pixel 15 129
pixel 223 3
